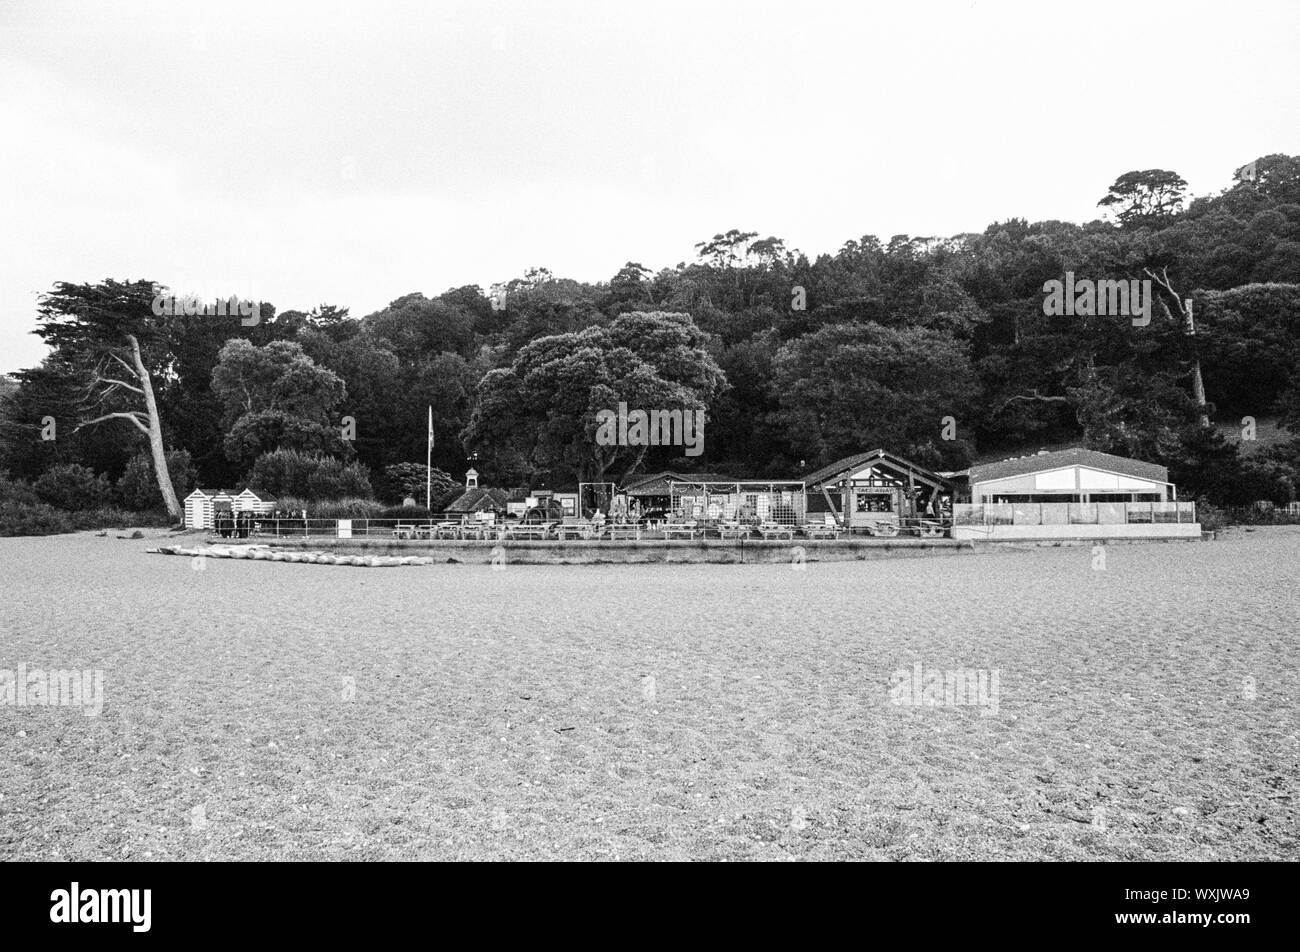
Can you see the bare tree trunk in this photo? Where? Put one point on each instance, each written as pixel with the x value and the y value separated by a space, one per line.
pixel 1189 323
pixel 1198 384
pixel 631 468
pixel 155 434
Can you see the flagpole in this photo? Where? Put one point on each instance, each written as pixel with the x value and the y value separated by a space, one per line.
pixel 428 465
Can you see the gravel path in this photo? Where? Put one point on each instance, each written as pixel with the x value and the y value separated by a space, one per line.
pixel 274 711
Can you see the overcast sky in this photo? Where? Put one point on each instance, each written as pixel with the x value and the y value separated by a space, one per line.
pixel 352 153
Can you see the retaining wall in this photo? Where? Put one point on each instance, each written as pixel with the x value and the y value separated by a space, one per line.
pixel 645 551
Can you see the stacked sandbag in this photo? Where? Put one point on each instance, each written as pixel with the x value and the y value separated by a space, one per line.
pixel 264 553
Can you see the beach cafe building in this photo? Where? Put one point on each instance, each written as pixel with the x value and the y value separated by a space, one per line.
pixel 654 493
pixel 868 490
pixel 862 492
pixel 1072 493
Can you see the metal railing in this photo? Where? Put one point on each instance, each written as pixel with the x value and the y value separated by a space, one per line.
pixel 1073 513
pixel 1259 515
pixel 517 530
pixel 285 527
pixel 743 502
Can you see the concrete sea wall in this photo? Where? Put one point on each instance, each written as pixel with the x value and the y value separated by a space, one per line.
pixel 646 551
pixel 682 550
pixel 1136 532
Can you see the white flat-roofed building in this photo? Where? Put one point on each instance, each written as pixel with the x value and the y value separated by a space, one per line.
pixel 1072 494
pixel 1073 475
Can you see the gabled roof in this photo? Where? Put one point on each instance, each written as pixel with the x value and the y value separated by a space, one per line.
pixel 1077 456
pixel 656 484
pixel 232 493
pixel 841 468
pixel 478 500
pixel 264 497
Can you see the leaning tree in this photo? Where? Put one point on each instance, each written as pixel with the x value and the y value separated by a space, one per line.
pixel 109 332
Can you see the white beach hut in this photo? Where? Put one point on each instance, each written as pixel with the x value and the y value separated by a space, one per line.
pixel 201 504
pixel 249 501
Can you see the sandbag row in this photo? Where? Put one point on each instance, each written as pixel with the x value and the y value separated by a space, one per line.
pixel 265 553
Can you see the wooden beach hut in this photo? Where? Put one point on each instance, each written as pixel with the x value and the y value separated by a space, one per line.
pixel 202 504
pixel 876 489
pixel 254 502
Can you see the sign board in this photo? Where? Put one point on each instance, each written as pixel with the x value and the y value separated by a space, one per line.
pixel 345 528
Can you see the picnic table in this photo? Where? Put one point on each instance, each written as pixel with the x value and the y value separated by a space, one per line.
pixel 678 528
pixel 733 530
pixel 622 530
pixel 821 531
pixel 403 531
pixel 530 530
pixel 478 530
pixel 576 530
pixel 774 530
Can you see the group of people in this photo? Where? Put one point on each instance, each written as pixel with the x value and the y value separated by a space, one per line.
pixel 230 524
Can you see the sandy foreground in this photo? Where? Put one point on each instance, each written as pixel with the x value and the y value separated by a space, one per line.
pixel 254 710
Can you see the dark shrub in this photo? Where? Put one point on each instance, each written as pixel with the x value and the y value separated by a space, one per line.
pixel 17 491
pixel 346 509
pixel 28 519
pixel 408 479
pixel 37 518
pixel 291 473
pixel 406 514
pixel 71 486
pixel 138 487
pixel 333 480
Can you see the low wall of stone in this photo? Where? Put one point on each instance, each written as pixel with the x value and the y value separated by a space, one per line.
pixel 645 551
pixel 1130 532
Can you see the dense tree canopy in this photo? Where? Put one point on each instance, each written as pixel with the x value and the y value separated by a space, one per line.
pixel 275 397
pixel 793 359
pixel 543 408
